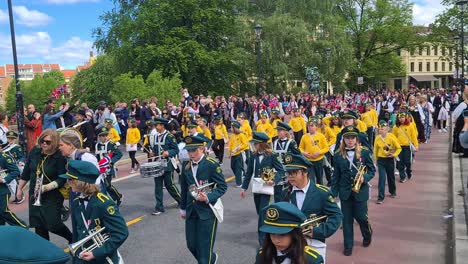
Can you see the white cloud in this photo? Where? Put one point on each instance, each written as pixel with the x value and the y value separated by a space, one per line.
pixel 30 18
pixel 3 17
pixel 425 11
pixel 38 47
pixel 70 1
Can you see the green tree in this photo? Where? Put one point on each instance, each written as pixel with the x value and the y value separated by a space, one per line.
pixel 379 29
pixel 55 75
pixel 164 88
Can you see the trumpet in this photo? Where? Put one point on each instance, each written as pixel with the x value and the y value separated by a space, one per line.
pixel 95 235
pixel 38 190
pixel 358 179
pixel 196 190
pixel 268 174
pixel 312 221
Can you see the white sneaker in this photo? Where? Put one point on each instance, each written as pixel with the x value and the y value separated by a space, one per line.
pixel 444 130
pixel 440 130
pixel 132 171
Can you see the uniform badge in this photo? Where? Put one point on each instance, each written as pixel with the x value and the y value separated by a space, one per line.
pixel 288 159
pixel 103 129
pixel 111 210
pixel 331 199
pixel 218 170
pixel 272 214
pixel 350 128
pixel 188 140
pixel 9 161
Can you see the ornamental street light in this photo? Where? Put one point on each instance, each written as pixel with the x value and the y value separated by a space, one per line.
pixel 258 35
pixel 461 4
pixel 19 96
pixel 328 53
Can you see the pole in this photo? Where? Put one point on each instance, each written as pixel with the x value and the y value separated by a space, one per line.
pixel 462 47
pixel 457 66
pixel 19 96
pixel 259 65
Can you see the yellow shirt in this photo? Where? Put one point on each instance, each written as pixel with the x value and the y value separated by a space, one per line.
pixel 330 136
pixel 114 135
pixel 133 135
pixel 265 128
pixel 220 132
pixel 327 120
pixel 185 130
pixel 380 143
pixel 336 130
pixel 246 129
pixel 411 134
pixel 297 124
pixel 237 144
pixel 368 119
pixel 361 126
pixel 312 144
pixel 206 132
pixel 375 117
pixel 274 124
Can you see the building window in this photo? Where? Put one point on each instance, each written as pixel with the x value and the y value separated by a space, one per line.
pixel 428 51
pixel 398 52
pixel 420 51
pixel 412 67
pixel 450 66
pixel 428 66
pixel 420 67
pixel 443 51
pixel 443 66
pixel 436 51
pixel 450 51
pixel 436 66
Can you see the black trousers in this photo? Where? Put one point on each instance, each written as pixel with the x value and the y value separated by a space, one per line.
pixel 218 149
pixel 132 157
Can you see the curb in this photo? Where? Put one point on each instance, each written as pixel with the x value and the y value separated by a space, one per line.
pixel 459 223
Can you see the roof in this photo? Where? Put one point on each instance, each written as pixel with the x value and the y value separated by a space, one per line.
pixel 36 68
pixel 68 73
pixel 2 72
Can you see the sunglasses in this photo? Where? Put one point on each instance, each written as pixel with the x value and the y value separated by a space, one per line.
pixel 164 113
pixel 47 142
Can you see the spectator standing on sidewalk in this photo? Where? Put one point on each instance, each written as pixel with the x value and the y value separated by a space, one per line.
pixel 133 137
pixel 458 118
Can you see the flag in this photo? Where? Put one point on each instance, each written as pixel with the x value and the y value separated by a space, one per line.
pixel 104 163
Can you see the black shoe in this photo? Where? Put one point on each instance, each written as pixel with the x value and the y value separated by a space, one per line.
pixel 403 180
pixel 366 242
pixel 379 201
pixel 348 251
pixel 393 195
pixel 156 212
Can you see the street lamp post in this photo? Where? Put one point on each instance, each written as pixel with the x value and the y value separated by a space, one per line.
pixel 258 35
pixel 457 66
pixel 328 53
pixel 462 4
pixel 19 95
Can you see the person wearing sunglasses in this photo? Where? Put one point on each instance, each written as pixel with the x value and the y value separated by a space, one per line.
pixel 45 161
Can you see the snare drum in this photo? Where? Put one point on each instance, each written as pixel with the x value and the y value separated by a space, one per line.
pixel 153 169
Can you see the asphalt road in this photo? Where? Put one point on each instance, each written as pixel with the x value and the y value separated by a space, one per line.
pixel 408 229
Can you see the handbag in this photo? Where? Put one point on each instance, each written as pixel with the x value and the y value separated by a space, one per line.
pixel 131 147
pixel 259 186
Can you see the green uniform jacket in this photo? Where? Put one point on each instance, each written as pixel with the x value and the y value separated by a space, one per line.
pixel 101 150
pixel 268 162
pixel 343 176
pixel 169 145
pixel 16 152
pixel 6 163
pixel 319 201
pixel 101 212
pixel 311 256
pixel 208 171
pixel 362 139
pixel 54 165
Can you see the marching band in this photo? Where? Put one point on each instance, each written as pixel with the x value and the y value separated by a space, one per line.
pixel 283 162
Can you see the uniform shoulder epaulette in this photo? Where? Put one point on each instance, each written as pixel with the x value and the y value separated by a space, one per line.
pixel 322 187
pixel 102 197
pixel 312 252
pixel 212 160
pixel 364 147
pixel 4 154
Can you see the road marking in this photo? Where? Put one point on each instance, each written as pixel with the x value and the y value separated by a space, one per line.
pixel 129 223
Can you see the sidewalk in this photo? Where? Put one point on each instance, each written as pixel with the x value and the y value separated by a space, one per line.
pixel 460 203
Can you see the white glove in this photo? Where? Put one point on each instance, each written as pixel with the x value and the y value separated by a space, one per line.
pixel 49 187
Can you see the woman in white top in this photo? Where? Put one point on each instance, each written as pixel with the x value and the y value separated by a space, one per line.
pixel 3 128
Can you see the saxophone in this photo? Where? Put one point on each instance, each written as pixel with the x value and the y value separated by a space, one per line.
pixel 358 179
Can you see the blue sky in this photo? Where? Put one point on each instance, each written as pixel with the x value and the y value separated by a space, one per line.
pixel 59 31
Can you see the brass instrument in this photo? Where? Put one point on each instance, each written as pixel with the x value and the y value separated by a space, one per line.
pixel 38 189
pixel 196 190
pixel 358 179
pixel 389 150
pixel 95 236
pixel 268 174
pixel 312 221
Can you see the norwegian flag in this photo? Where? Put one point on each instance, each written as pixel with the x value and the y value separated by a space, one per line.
pixel 104 163
pixel 55 94
pixel 62 89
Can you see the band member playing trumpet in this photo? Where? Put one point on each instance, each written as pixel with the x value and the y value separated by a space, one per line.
pixel 105 148
pixel 9 172
pixel 386 148
pixel 354 168
pixel 95 211
pixel 237 145
pixel 42 169
pixel 314 146
pixel 198 206
pixel 262 166
pixel 165 147
pixel 311 199
pixel 284 242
